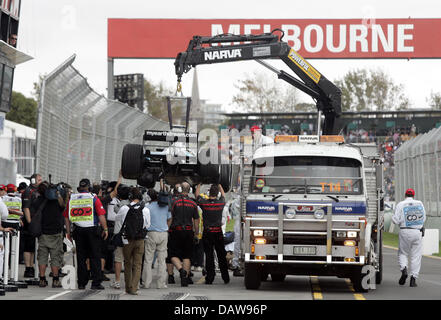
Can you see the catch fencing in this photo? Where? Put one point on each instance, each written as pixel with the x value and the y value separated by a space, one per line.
pixel 418 166
pixel 81 134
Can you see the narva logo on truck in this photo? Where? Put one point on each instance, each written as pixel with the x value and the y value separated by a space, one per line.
pixel 223 54
pixel 266 208
pixel 261 207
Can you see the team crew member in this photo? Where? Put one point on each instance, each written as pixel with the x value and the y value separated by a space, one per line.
pixel 184 227
pixel 86 212
pixel 29 205
pixel 169 264
pixel 410 215
pixel 213 238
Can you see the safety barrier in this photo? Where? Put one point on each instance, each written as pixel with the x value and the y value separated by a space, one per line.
pixel 81 134
pixel 418 166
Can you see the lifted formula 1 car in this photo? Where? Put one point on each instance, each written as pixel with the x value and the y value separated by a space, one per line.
pixel 175 156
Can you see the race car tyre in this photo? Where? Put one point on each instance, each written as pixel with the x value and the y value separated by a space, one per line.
pixel 225 176
pixel 209 172
pixel 131 162
pixel 252 276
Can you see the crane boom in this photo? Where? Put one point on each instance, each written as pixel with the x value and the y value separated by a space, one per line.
pixel 265 46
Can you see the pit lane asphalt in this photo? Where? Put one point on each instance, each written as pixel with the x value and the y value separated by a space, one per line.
pixel 293 288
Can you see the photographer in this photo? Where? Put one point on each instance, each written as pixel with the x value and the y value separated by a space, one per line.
pixel 109 200
pixel 50 242
pixel 29 198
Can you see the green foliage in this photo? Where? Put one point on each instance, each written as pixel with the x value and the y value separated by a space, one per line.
pixel 260 93
pixel 371 90
pixel 435 100
pixel 23 110
pixel 37 87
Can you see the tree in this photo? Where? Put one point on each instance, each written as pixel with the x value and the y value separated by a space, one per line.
pixel 23 110
pixel 435 100
pixel 154 96
pixel 37 87
pixel 259 93
pixel 371 90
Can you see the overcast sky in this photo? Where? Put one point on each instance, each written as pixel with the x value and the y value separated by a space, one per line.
pixel 52 30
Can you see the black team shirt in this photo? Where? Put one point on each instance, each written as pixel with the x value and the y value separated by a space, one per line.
pixel 183 210
pixel 211 211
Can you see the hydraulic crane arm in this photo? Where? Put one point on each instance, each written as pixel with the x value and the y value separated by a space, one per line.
pixel 265 46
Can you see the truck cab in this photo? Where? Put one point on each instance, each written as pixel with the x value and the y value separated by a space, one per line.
pixel 311 205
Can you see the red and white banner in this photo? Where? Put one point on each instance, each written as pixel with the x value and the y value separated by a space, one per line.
pixel 312 38
pixel 5 4
pixel 15 8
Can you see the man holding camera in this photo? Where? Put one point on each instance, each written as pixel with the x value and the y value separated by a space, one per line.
pixel 50 242
pixel 87 215
pixel 29 198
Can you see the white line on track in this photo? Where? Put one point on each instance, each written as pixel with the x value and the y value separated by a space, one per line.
pixel 185 296
pixel 58 295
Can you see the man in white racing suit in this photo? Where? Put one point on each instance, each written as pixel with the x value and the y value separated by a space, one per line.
pixel 410 216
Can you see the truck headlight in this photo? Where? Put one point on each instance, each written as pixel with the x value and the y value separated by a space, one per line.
pixel 258 233
pixel 352 234
pixel 341 234
pixel 290 213
pixel 319 214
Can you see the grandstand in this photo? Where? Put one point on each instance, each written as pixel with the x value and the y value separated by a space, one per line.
pixel 379 123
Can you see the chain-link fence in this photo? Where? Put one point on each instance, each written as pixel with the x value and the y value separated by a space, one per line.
pixel 81 134
pixel 418 166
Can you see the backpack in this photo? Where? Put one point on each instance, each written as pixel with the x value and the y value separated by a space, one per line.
pixel 134 223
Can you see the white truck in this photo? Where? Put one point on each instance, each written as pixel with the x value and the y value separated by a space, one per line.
pixel 319 211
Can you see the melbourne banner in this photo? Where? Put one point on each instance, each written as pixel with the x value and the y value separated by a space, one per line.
pixel 312 38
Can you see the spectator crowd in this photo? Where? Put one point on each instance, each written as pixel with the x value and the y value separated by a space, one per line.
pixel 116 228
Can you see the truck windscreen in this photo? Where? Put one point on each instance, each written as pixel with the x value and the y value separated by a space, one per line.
pixel 308 175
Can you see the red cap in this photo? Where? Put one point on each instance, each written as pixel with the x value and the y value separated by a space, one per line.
pixel 254 128
pixel 2 187
pixel 410 192
pixel 11 188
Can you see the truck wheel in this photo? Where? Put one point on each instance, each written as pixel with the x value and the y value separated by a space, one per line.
pixel 131 162
pixel 356 279
pixel 252 276
pixel 278 277
pixel 379 273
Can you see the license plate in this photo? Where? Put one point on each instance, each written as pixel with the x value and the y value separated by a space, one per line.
pixel 305 250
